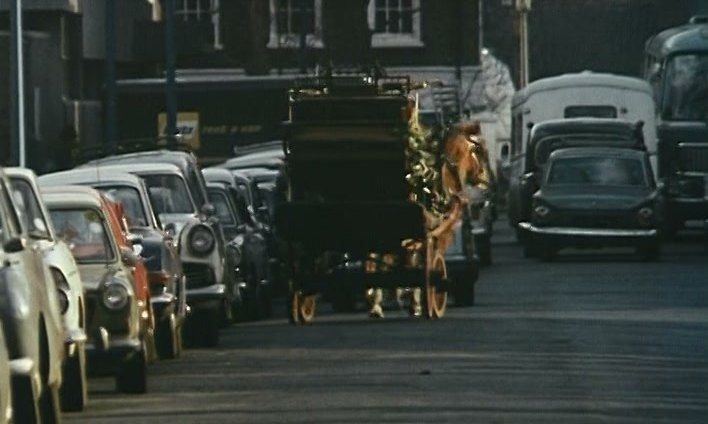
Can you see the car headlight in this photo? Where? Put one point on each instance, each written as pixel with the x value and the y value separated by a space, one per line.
pixel 115 296
pixel 541 211
pixel 645 216
pixel 201 240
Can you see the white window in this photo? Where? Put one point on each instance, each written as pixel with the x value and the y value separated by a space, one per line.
pixel 288 20
pixel 200 10
pixel 395 23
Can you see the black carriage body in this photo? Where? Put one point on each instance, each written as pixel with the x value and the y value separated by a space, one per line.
pixel 346 166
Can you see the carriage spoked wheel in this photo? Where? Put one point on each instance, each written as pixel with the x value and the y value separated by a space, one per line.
pixel 302 307
pixel 433 297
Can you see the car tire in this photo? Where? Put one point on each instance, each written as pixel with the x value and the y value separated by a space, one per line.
pixel 25 402
pixel 166 338
pixel 49 404
pixel 73 392
pixel 265 301
pixel 649 253
pixel 132 376
pixel 464 296
pixel 484 249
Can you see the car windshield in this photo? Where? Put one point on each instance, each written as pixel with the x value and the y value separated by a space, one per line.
pixel 28 208
pixel 686 88
pixel 133 207
pixel 168 194
pixel 221 204
pixel 85 232
pixel 597 171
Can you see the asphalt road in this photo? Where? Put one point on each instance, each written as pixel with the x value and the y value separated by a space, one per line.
pixel 595 337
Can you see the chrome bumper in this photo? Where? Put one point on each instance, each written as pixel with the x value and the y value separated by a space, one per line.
pixel 587 232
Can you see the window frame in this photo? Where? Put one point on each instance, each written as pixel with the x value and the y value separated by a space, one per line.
pixel 292 40
pixel 185 13
pixel 393 40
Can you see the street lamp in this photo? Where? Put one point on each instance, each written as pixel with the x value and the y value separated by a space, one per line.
pixel 523 7
pixel 17 90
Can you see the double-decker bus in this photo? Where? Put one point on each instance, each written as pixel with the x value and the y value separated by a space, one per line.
pixel 676 65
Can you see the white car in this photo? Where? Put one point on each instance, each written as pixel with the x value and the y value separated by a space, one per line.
pixel 58 257
pixel 5 376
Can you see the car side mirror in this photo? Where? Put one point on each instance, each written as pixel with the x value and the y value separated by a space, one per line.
pixel 14 245
pixel 128 256
pixel 208 210
pixel 134 238
pixel 170 229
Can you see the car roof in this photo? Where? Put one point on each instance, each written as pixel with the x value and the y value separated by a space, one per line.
pixel 24 172
pixel 265 159
pixel 97 175
pixel 589 125
pixel 220 175
pixel 141 168
pixel 71 195
pixel 597 151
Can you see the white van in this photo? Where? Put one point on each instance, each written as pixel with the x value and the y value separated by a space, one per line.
pixel 584 94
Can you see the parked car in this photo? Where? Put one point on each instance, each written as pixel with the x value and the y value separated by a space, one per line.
pixel 594 197
pixel 5 385
pixel 31 318
pixel 271 158
pixel 247 240
pixel 166 279
pixel 212 286
pixel 67 280
pixel 117 309
pixel 544 138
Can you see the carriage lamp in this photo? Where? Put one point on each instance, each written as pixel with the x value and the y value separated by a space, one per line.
pixel 201 240
pixel 115 296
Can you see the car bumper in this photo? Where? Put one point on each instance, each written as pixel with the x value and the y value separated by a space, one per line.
pixel 579 235
pixel 105 354
pixel 209 297
pixel 73 340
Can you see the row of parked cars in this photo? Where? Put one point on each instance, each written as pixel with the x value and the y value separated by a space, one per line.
pixel 122 261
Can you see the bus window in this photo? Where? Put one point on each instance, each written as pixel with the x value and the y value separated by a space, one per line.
pixel 590 112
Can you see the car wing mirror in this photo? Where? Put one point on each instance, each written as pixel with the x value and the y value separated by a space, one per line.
pixel 134 238
pixel 128 256
pixel 14 245
pixel 208 210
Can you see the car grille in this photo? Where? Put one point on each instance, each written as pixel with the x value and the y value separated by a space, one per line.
pixel 198 275
pixel 693 158
pixel 595 219
pixel 90 303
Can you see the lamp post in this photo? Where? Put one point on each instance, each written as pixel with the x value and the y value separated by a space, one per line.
pixel 111 127
pixel 523 7
pixel 17 83
pixel 170 94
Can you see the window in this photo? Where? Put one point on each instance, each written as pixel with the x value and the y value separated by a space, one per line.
pixel 200 10
pixel 28 208
pixel 590 111
pixel 289 18
pixel 395 23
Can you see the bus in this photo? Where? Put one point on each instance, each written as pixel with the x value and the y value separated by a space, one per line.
pixel 676 66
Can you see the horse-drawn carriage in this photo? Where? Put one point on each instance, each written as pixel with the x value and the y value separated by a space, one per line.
pixel 370 196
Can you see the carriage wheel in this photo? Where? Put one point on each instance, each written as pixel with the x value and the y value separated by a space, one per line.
pixel 434 299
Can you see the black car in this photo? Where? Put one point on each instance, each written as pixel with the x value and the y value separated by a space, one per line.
pixel 545 137
pixel 246 241
pixel 596 197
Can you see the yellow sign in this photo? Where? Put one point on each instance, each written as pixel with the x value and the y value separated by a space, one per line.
pixel 187 127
